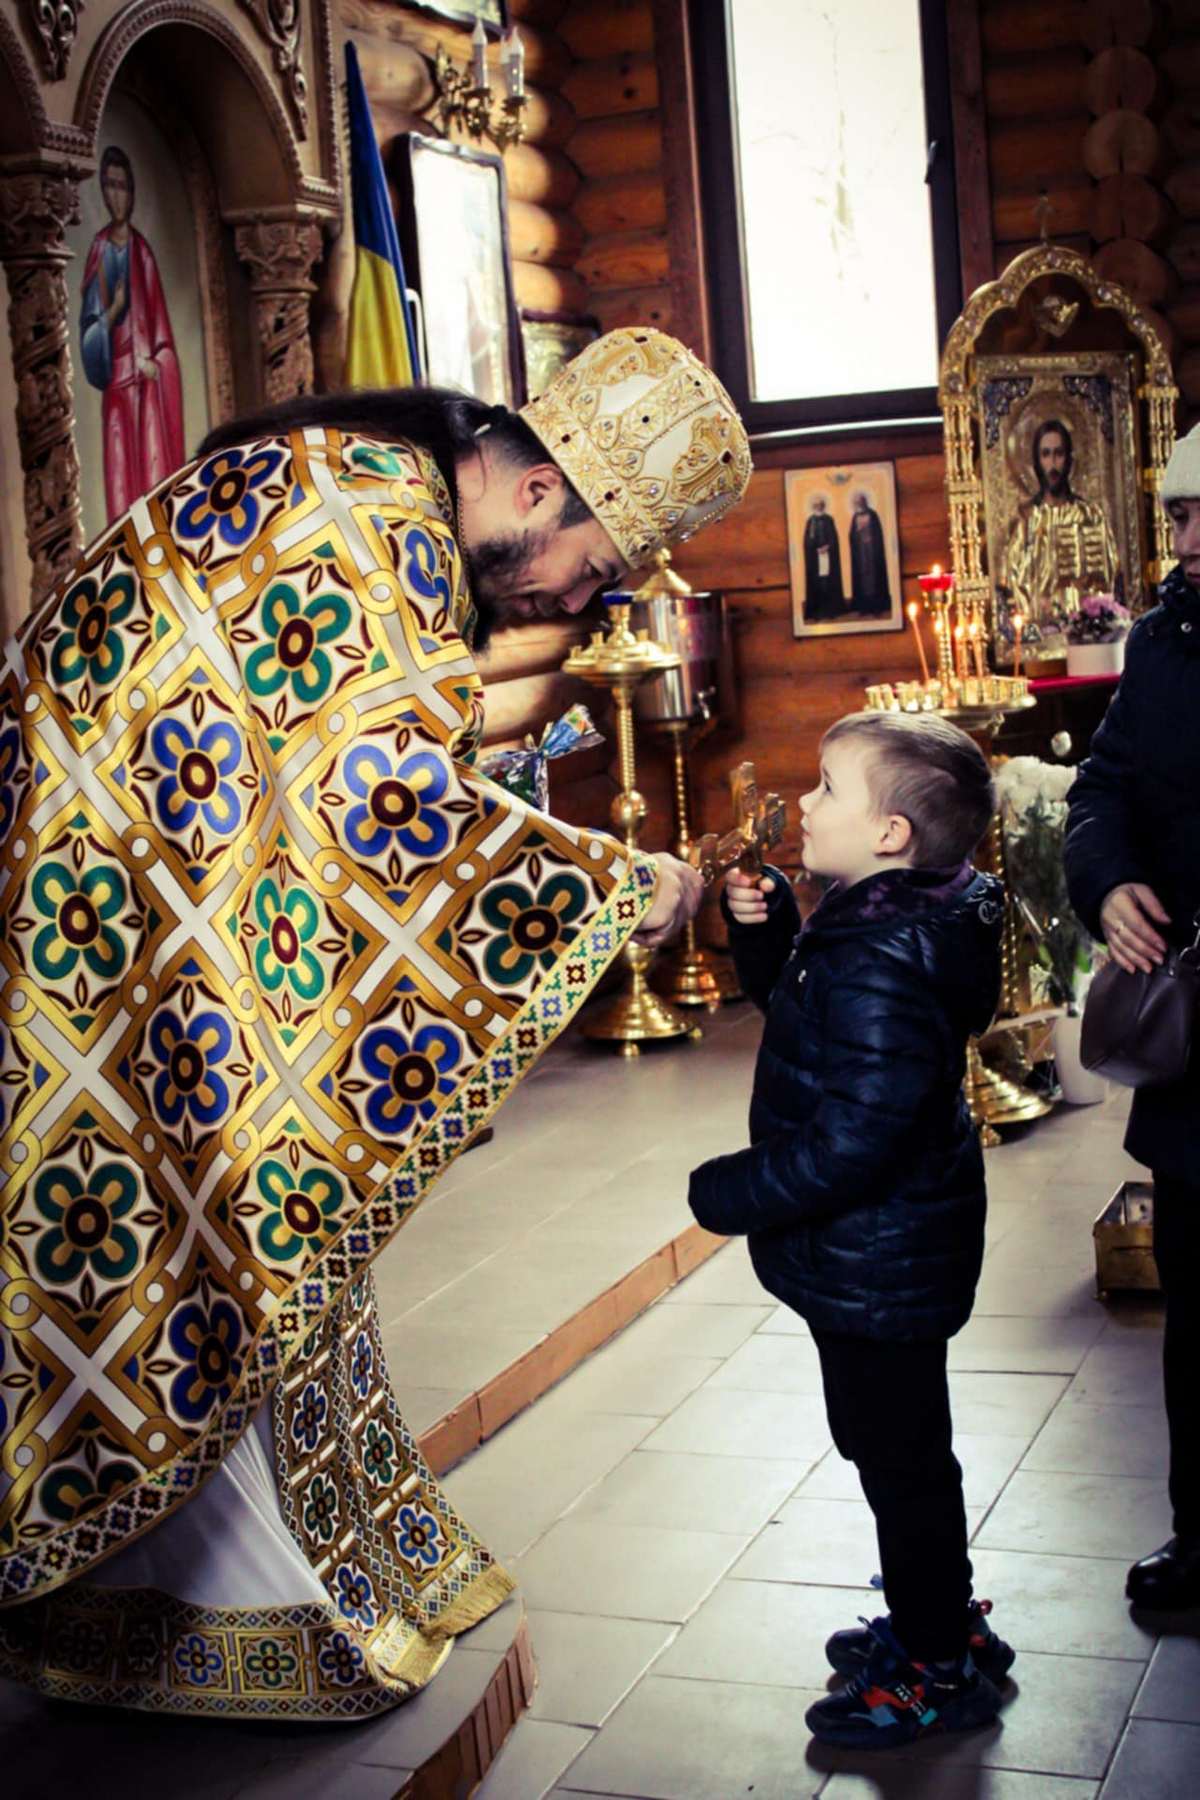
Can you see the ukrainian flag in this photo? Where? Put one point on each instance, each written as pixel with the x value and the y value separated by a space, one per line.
pixel 381 350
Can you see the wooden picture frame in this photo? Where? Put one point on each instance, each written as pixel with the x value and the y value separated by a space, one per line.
pixel 493 13
pixel 709 31
pixel 843 549
pixel 1083 403
pixel 550 341
pixel 453 226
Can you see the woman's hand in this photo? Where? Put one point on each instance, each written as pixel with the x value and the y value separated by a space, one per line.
pixel 1125 920
pixel 747 896
pixel 680 891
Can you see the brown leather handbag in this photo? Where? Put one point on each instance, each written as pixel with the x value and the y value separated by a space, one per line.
pixel 1137 1028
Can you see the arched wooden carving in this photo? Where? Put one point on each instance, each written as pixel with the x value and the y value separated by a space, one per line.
pixel 55 25
pixel 277 202
pixel 279 22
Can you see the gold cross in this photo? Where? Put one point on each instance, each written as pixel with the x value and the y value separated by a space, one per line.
pixel 758 823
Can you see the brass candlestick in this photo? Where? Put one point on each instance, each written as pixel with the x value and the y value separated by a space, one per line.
pixel 466 94
pixel 619 661
pixel 684 711
pixel 995 1098
pixel 691 975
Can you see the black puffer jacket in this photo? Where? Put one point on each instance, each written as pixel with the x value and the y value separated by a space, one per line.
pixel 862 1191
pixel 1135 816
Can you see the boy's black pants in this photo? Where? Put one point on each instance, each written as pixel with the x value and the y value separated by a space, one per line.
pixel 1177 1253
pixel 889 1411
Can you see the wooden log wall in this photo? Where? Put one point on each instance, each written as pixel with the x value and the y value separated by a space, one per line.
pixel 1037 116
pixel 1093 103
pixel 637 273
pixel 617 146
pixel 1179 65
pixel 1096 107
pixel 396 45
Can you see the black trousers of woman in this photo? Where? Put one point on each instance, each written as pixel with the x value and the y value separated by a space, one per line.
pixel 1177 1253
pixel 889 1412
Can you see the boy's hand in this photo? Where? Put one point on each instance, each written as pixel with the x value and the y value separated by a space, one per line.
pixel 747 896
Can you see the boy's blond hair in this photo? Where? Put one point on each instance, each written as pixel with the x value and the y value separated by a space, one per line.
pixel 929 772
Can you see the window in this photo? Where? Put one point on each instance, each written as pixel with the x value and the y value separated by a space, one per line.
pixel 825 152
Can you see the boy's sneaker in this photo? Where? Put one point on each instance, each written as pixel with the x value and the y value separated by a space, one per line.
pixel 848 1651
pixel 893 1701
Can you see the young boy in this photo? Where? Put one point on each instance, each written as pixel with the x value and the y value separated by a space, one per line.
pixel 862 1192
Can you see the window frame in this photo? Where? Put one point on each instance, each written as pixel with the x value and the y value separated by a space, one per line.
pixel 725 268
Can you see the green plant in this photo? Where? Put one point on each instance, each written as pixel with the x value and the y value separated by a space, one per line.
pixel 1033 806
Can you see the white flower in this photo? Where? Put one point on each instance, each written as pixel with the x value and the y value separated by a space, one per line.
pixel 1023 781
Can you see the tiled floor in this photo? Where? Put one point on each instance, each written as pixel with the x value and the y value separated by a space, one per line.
pixel 685 1536
pixel 679 1604
pixel 586 1176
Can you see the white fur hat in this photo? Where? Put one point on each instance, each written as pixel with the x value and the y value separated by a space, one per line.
pixel 1181 477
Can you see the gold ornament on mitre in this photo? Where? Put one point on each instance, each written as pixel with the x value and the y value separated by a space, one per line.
pixel 648 437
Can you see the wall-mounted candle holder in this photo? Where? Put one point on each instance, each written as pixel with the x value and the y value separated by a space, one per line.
pixel 466 94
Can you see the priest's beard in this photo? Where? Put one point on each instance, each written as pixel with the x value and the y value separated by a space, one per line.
pixel 495 568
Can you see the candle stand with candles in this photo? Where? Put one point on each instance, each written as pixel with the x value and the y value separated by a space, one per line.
pixel 966 692
pixel 620 660
pixel 465 95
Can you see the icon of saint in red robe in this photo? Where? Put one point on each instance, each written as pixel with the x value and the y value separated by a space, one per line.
pixel 128 350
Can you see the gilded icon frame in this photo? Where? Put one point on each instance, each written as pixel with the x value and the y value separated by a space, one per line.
pixel 1091 396
pixel 1049 301
pixel 551 340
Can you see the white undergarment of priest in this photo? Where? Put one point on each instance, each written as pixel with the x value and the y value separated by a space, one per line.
pixel 274 952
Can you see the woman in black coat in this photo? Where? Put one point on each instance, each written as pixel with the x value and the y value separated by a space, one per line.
pixel 1133 870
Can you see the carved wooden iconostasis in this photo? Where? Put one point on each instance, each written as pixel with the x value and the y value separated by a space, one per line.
pixel 169 166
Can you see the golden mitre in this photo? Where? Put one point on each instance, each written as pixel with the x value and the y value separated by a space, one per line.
pixel 647 435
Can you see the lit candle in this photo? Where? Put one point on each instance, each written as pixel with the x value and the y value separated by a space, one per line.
pixel 1018 626
pixel 976 647
pixel 913 614
pixel 479 55
pixel 935 582
pixel 513 56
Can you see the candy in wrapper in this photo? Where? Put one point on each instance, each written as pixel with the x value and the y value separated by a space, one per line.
pixel 524 772
pixel 574 731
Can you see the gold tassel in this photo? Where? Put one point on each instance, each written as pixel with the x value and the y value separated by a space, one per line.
pixel 489 1591
pixel 417 1666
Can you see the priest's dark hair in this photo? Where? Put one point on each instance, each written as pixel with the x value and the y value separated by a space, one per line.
pixel 441 420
